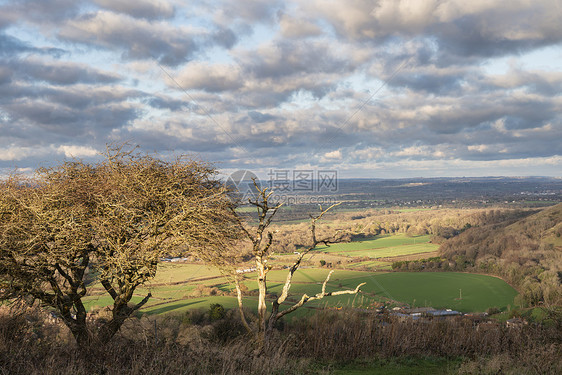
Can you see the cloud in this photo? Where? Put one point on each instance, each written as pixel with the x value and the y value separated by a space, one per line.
pixel 458 27
pixel 298 27
pixel 211 78
pixel 69 122
pixel 5 75
pixel 33 114
pixel 249 11
pixel 14 153
pixel 148 9
pixel 10 45
pixel 539 82
pixel 333 155
pixel 394 87
pixel 259 117
pixel 138 38
pixel 61 73
pixel 75 151
pixel 283 58
pixel 172 104
pixel 431 79
pixel 41 12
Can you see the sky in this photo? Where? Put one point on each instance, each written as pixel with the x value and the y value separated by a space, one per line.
pixel 370 89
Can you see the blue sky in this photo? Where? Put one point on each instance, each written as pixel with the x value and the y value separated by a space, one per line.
pixel 382 89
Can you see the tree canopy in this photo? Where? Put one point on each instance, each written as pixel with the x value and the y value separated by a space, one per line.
pixel 113 219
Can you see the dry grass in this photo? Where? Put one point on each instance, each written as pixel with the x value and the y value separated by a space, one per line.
pixel 196 344
pixel 346 336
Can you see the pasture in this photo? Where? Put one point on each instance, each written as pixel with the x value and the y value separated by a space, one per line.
pixel 435 289
pixel 419 289
pixel 382 246
pixel 181 286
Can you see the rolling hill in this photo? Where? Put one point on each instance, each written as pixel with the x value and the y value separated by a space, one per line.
pixel 526 252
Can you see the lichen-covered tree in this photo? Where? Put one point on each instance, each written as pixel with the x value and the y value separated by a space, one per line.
pixel 114 219
pixel 261 239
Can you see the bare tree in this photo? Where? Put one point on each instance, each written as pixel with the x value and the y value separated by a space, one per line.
pixel 114 219
pixel 261 240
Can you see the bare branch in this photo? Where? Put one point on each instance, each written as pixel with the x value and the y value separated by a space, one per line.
pixel 141 303
pixel 64 274
pixel 305 298
pixel 109 288
pixel 296 264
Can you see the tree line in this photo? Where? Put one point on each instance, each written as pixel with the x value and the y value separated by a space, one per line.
pixel 523 249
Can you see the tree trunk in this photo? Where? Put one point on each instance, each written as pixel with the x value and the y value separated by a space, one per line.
pixel 241 305
pixel 262 288
pixel 78 328
pixel 121 312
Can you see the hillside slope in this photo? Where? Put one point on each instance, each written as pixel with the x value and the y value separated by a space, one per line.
pixel 527 253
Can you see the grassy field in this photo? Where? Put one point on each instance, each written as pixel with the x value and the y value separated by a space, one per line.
pixel 443 290
pixel 383 246
pixel 181 286
pixel 411 209
pixel 435 289
pixel 371 264
pixel 394 251
pixel 173 272
pixel 401 366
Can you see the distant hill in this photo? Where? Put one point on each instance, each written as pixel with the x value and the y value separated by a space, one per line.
pixel 527 252
pixel 544 227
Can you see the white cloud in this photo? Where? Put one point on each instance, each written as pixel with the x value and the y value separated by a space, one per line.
pixel 75 151
pixel 15 153
pixel 140 8
pixel 135 38
pixel 478 148
pixel 209 77
pixel 298 27
pixel 333 155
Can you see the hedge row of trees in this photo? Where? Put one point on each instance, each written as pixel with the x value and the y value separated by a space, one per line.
pixel 429 264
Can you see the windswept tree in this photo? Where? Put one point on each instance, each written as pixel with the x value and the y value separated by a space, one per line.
pixel 261 239
pixel 115 220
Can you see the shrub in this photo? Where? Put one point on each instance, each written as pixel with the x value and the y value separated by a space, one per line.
pixel 216 311
pixel 493 311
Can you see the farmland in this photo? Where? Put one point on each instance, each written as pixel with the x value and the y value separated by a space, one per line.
pixel 383 246
pixel 436 289
pixel 182 286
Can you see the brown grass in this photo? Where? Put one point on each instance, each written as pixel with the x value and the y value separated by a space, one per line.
pixel 196 344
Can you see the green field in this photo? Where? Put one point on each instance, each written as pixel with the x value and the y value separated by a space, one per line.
pixel 435 289
pixel 372 265
pixel 442 290
pixel 175 272
pixel 383 246
pixel 179 286
pixel 402 366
